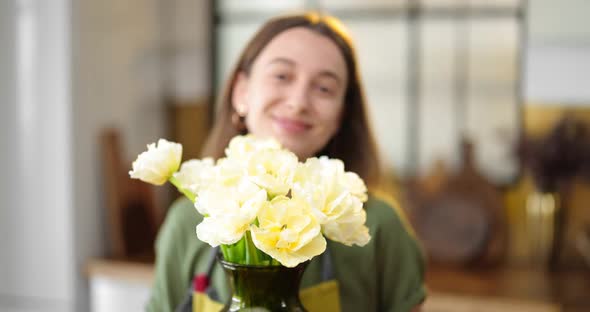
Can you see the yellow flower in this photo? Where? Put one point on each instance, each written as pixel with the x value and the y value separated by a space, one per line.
pixel 288 231
pixel 195 174
pixel 158 163
pixel 272 170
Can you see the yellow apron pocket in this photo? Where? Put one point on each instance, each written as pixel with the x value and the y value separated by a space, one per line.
pixel 324 297
pixel 202 303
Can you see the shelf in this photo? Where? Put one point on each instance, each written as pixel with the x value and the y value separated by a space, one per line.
pixel 566 289
pixel 129 271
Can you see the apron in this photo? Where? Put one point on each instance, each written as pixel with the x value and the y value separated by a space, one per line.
pixel 321 297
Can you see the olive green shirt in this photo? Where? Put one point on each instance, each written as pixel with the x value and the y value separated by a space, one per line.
pixel 387 274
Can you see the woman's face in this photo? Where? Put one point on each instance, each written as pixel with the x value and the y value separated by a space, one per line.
pixel 295 91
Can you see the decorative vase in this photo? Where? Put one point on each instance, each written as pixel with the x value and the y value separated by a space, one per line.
pixel 263 288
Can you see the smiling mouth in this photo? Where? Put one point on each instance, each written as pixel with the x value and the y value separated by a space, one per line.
pixel 292 126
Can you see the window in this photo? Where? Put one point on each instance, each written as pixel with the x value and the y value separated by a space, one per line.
pixel 434 71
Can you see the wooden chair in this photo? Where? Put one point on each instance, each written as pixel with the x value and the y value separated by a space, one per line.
pixel 132 213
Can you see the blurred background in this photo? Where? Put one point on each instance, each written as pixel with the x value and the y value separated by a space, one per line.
pixel 481 109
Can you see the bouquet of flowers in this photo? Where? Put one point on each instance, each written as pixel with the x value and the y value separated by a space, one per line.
pixel 259 203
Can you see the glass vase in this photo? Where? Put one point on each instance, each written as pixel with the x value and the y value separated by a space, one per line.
pixel 263 288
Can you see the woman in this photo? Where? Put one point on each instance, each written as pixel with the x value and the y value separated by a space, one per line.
pixel 297 81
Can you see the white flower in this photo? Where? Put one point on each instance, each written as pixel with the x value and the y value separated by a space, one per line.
pixel 241 147
pixel 349 228
pixel 195 174
pixel 222 195
pixel 336 198
pixel 228 213
pixel 229 172
pixel 158 163
pixel 272 170
pixel 355 185
pixel 229 203
pixel 260 187
pixel 288 232
pixel 318 182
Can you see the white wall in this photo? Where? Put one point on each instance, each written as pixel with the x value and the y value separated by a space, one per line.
pixel 122 68
pixel 117 83
pixel 557 68
pixel 186 44
pixel 559 21
pixel 8 133
pixel 36 194
pixel 67 70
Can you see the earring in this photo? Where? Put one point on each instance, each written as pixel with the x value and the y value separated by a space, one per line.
pixel 238 121
pixel 240 111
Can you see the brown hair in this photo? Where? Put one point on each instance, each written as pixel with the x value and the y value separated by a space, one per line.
pixel 354 143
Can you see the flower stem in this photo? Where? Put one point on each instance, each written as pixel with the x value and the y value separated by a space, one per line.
pixel 251 250
pixel 186 193
pixel 225 252
pixel 240 251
